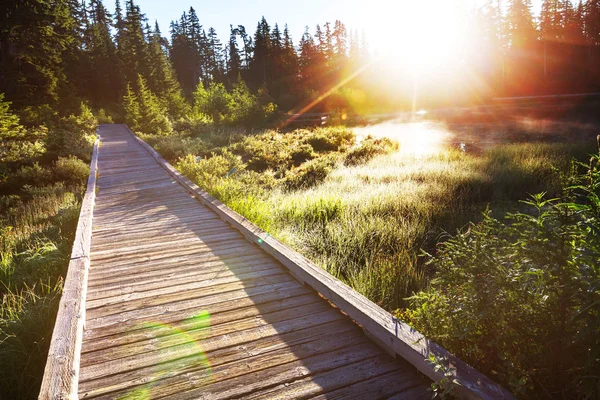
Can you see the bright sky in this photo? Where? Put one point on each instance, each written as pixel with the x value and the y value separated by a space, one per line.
pixel 384 21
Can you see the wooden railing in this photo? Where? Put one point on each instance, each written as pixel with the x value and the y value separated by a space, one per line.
pixel 62 366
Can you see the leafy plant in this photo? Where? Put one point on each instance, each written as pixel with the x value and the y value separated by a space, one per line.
pixel 507 291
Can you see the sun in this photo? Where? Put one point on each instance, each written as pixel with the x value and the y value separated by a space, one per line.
pixel 420 36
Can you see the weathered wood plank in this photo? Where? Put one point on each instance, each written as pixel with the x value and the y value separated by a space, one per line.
pixel 240 350
pixel 145 335
pixel 98 325
pixel 157 352
pixel 180 278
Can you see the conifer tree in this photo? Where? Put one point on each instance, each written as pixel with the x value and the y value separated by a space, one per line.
pixel 105 82
pixel 234 61
pixel 163 82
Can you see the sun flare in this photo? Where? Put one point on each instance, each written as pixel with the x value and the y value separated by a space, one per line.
pixel 426 35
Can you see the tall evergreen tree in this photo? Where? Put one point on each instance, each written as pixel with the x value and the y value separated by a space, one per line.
pixel 234 61
pixel 105 83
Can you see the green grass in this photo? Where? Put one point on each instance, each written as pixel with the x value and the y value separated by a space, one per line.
pixel 36 235
pixel 365 212
pixel 39 208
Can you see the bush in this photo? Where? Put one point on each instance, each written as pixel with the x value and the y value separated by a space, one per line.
pixel 519 299
pixel 73 135
pixel 368 149
pixel 214 101
pixel 310 173
pixel 33 175
pixel 71 169
pixel 330 139
pixel 103 117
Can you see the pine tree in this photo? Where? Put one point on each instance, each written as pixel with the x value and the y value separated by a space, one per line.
pixel 215 64
pixel 134 48
pixel 234 61
pixel 162 81
pixel 105 84
pixel 248 46
pixel 260 58
pixel 31 50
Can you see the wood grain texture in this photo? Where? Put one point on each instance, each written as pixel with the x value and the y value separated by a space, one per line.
pixel 396 336
pixel 61 374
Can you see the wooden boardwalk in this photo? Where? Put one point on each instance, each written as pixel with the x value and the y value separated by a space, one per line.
pixel 170 294
pixel 180 305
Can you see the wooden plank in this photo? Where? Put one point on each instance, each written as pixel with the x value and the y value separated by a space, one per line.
pixel 223 248
pixel 170 269
pixel 61 373
pixel 128 330
pixel 396 336
pixel 146 301
pixel 330 377
pixel 144 336
pixel 282 370
pixel 100 276
pixel 181 278
pixel 383 387
pixel 153 312
pixel 158 352
pixel 239 351
pixel 269 275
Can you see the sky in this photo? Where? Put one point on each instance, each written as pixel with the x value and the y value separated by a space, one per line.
pixel 381 20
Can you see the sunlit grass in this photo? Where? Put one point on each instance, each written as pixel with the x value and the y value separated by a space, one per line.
pixel 36 233
pixel 366 222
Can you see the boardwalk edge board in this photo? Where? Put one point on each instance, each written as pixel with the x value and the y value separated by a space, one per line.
pixel 396 337
pixel 61 374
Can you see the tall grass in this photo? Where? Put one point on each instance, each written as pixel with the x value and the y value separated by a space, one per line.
pixel 39 207
pixel 365 212
pixel 35 241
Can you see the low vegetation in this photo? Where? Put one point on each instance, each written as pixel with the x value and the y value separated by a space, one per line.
pixel 43 170
pixel 365 213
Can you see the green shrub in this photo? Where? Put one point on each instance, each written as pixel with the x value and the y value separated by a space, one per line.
pixel 302 153
pixel 330 139
pixel 33 175
pixel 519 299
pixel 144 112
pixel 310 173
pixel 369 148
pixel 103 117
pixel 71 169
pixel 73 135
pixel 214 101
pixel 18 145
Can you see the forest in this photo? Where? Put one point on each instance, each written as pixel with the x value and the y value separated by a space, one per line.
pixel 461 245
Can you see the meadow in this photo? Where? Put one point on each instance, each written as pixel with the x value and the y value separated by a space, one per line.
pixel 378 218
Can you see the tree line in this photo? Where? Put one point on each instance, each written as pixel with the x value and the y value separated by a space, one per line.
pixel 56 53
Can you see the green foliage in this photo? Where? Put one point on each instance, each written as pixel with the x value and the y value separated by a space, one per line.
pixel 71 169
pixel 310 173
pixel 33 175
pixel 214 101
pixel 369 148
pixel 330 139
pixel 143 112
pixel 445 387
pixel 505 292
pixel 73 135
pixel 36 234
pixel 103 117
pixel 18 145
pixel 132 108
